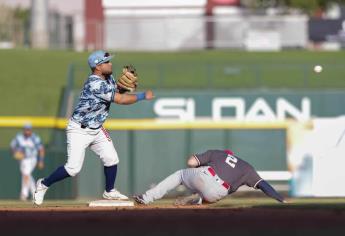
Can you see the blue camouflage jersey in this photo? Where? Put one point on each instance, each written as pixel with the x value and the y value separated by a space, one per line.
pixel 94 102
pixel 28 145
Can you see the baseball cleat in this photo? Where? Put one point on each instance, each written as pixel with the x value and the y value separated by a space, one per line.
pixel 114 195
pixel 39 193
pixel 139 199
pixel 193 199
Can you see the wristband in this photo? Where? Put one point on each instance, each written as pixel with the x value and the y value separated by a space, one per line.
pixel 140 96
pixel 40 158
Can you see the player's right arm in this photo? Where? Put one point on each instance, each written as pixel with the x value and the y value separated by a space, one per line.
pixel 14 144
pixel 17 152
pixel 127 99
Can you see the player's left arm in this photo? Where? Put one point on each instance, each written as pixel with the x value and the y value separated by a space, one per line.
pixel 193 161
pixel 41 152
pixel 41 155
pixel 255 181
pixel 199 159
pixel 270 191
pixel 127 99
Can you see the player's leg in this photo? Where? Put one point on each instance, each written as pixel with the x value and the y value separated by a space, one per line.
pixel 24 193
pixel 161 188
pixel 201 181
pixel 77 141
pixel 32 185
pixel 26 167
pixel 193 199
pixel 104 148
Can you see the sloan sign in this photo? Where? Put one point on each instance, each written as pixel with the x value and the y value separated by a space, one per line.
pixel 259 110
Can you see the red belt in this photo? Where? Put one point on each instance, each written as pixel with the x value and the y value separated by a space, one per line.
pixel 213 173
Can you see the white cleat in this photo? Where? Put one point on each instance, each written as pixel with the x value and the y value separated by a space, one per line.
pixel 114 195
pixel 40 191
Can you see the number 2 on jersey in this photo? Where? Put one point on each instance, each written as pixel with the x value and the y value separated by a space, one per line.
pixel 231 160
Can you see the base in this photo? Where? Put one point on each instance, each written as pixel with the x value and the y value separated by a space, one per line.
pixel 111 203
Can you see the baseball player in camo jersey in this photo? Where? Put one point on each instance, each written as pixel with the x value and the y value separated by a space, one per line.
pixel 85 127
pixel 27 148
pixel 213 175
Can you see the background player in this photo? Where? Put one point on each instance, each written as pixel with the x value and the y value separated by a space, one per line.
pixel 213 175
pixel 26 147
pixel 85 128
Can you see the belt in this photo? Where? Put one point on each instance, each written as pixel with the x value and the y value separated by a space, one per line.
pixel 219 180
pixel 84 126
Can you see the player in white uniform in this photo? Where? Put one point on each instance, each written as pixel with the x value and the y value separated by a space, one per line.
pixel 26 147
pixel 85 128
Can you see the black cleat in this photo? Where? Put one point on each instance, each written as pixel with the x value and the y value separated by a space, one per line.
pixel 193 199
pixel 139 199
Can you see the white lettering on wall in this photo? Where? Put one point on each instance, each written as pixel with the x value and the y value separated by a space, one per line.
pixel 238 104
pixel 284 108
pixel 260 110
pixel 175 108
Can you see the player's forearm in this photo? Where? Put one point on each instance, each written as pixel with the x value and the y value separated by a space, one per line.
pixel 41 153
pixel 127 99
pixel 269 191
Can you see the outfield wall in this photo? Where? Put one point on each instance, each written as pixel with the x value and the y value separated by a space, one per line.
pixel 149 152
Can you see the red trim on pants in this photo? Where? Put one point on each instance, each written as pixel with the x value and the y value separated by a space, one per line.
pixel 106 134
pixel 213 173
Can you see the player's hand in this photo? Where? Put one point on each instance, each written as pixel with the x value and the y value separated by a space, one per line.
pixel 40 165
pixel 149 95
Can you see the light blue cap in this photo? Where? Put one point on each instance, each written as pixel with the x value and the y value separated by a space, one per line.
pixel 98 57
pixel 27 126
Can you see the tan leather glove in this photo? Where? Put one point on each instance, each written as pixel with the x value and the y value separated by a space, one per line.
pixel 18 155
pixel 128 80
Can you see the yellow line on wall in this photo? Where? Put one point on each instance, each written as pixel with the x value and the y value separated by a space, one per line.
pixel 143 124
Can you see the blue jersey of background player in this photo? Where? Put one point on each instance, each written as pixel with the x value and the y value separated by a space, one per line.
pixel 85 127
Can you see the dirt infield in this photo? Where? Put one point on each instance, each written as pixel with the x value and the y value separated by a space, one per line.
pixel 171 221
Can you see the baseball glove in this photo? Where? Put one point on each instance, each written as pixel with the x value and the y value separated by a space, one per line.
pixel 128 81
pixel 18 155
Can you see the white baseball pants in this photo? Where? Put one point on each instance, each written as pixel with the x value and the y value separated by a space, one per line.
pixel 27 166
pixel 79 139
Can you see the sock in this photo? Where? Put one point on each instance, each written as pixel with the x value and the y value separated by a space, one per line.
pixel 25 189
pixel 59 174
pixel 32 184
pixel 110 176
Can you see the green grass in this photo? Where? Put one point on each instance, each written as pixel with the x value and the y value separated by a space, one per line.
pixel 31 80
pixel 229 203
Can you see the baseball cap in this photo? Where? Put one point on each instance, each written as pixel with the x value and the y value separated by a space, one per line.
pixel 98 57
pixel 27 126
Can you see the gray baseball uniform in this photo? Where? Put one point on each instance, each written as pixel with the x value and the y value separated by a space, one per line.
pixel 231 169
pixel 219 173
